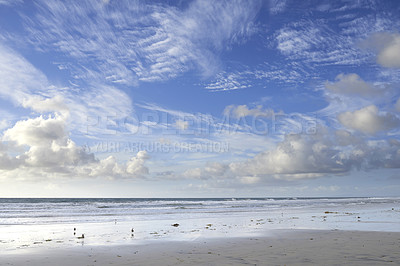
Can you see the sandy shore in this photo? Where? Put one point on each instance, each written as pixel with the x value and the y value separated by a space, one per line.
pixel 281 247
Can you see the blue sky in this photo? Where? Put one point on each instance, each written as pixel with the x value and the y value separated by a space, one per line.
pixel 199 98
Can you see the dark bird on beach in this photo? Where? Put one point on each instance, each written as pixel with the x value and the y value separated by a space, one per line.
pixel 132 230
pixel 74 229
pixel 176 225
pixel 81 237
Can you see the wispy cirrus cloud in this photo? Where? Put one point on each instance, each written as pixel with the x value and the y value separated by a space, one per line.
pixel 18 77
pixel 228 81
pixel 40 147
pixel 129 42
pixel 331 39
pixel 290 74
pixel 304 39
pixel 317 42
pixel 26 86
pixel 10 2
pixel 276 6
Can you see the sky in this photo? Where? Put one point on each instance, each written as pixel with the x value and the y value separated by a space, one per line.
pixel 199 98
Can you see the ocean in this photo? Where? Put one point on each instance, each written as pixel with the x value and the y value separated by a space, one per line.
pixel 24 221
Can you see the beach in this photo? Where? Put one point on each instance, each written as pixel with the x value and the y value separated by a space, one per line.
pixel 281 247
pixel 282 231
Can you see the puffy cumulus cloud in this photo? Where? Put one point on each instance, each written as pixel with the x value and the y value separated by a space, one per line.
pixel 41 105
pixel 345 138
pixel 135 166
pixel 369 120
pixel 352 84
pixel 239 111
pixel 41 147
pixel 297 156
pixel 383 154
pixel 107 167
pixel 110 168
pixel 37 131
pixel 181 124
pixel 57 156
pixel 8 162
pixel 306 157
pixel 45 145
pixel 387 46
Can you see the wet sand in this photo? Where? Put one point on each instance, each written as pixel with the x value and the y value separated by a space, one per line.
pixel 280 247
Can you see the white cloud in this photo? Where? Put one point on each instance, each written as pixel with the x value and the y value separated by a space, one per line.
pixel 317 42
pixel 135 166
pixel 215 169
pixel 28 87
pixel 47 144
pixel 37 131
pixel 228 82
pixel 352 84
pixel 314 42
pixel 345 138
pixel 387 46
pixel 248 180
pixel 303 156
pixel 10 2
pixel 18 78
pixel 211 170
pixel 327 188
pixel 141 41
pixel 296 155
pixel 277 6
pixel 390 55
pixel 109 167
pixel 239 111
pixel 291 73
pixel 182 125
pixel 194 173
pixel 40 105
pixel 369 120
pixel 41 147
pixel 7 162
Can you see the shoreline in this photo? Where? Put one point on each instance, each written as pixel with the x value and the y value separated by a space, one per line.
pixel 278 247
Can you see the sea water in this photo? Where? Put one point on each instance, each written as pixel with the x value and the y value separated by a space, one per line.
pixel 31 222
